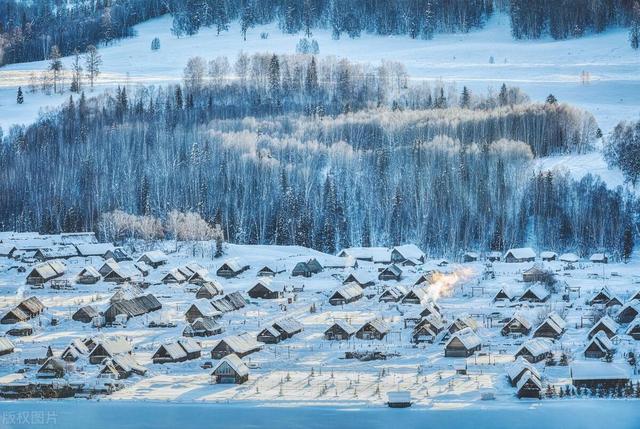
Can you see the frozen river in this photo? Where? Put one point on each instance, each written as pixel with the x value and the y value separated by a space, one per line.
pixel 564 414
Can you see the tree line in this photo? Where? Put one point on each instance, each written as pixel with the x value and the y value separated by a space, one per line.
pixel 321 153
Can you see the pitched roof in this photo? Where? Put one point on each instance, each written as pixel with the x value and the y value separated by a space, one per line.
pixel 393 269
pixel 515 369
pixel 289 325
pixel 601 341
pixel 234 264
pixel 205 308
pixel 605 321
pixel 537 346
pixel 6 344
pixel 235 363
pixel 538 290
pixel 95 249
pixel 89 271
pixel 521 253
pixel 375 254
pixel 548 255
pixel 528 377
pixel 155 256
pixel 569 257
pixel 348 328
pixel 467 337
pixel 379 325
pixel 597 257
pixel 409 251
pixel 114 346
pixel 519 318
pixel 348 291
pixel 241 343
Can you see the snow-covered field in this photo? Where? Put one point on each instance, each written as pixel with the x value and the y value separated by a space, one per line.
pixel 307 369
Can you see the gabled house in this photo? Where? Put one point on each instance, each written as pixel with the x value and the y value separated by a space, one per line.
pixel 108 348
pixel 174 276
pixel 393 294
pixel 362 279
pixel 209 290
pixel 548 256
pixel 203 327
pixel 339 330
pixel 88 276
pixel 599 346
pixel 461 322
pixel 601 297
pixel 552 327
pixel 53 367
pixel 518 324
pixel 288 327
pixel 516 370
pixel 599 375
pixel 628 312
pixel 269 335
pixel 46 271
pixel 599 258
pixel 377 255
pixel 121 367
pixel 503 295
pixel 85 314
pixel 606 325
pixel 265 288
pixel 400 254
pixel 535 350
pixel 134 307
pixel 201 308
pixel 392 272
pixel 463 343
pixel 534 274
pixel 241 345
pixel 74 351
pixel 346 294
pixel 375 329
pixel 634 330
pixel 118 254
pixel 528 386
pixel 179 351
pixel 230 370
pixel 535 294
pixel 6 346
pixel 416 295
pixel 154 258
pixel 268 271
pixel 522 254
pixel 232 268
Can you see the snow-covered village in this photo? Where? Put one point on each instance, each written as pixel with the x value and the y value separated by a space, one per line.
pixel 320 213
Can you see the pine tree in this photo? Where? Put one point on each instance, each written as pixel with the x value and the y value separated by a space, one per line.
pixel 274 75
pixel 20 97
pixel 311 80
pixel 465 98
pixel 551 99
pixel 76 69
pixel 92 61
pixel 55 66
pixel 503 96
pixel 178 97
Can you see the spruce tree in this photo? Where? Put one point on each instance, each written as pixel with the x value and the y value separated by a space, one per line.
pixel 20 96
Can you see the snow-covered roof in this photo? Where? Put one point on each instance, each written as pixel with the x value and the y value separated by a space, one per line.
pixel 6 249
pixel 409 251
pixel 605 321
pixel 396 291
pixel 174 350
pixel 235 363
pixel 598 257
pixel 514 369
pixel 205 308
pixel 467 337
pixel 175 274
pixel 399 397
pixel 155 256
pixel 65 251
pixel 348 291
pixel 374 254
pixel 537 346
pixel 361 277
pixel 526 377
pixel 289 325
pixel 596 370
pixel 519 318
pixel 601 340
pixel 521 253
pixel 6 344
pixel 538 290
pixel 96 249
pixel 548 254
pixel 556 321
pixel 345 326
pixel 569 257
pixel 379 325
pixel 89 271
pixel 241 343
pixel 235 264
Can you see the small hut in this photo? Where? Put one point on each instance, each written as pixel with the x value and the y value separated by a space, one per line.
pixel 230 370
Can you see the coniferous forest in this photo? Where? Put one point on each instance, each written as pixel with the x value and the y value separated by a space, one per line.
pixel 316 152
pixel 28 30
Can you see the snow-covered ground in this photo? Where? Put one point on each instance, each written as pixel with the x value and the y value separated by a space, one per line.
pixel 307 369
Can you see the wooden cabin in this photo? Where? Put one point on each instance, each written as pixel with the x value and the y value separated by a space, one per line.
pixel 392 272
pixel 85 314
pixel 74 351
pixel 209 290
pixel 522 254
pixel 463 343
pixel 606 325
pixel 174 276
pixel 53 368
pixel 58 252
pixel 87 250
pixel 46 271
pixel 516 325
pixel 361 279
pixel 594 375
pixel 375 329
pixel 134 307
pixel 121 367
pixel 461 322
pixel 427 329
pixel 268 271
pixel 339 330
pixel 241 345
pixel 416 295
pixel 534 274
pixel 535 350
pixel 599 346
pixel 400 254
pixel 201 308
pixel 634 330
pixel 230 370
pixel 301 269
pixel 535 294
pixel 346 294
pixel 288 327
pixel 108 348
pixel 108 266
pixel 393 294
pixel 88 276
pixel 552 327
pixel 21 329
pixel 529 386
pixel 470 257
pixel 27 309
pixel 628 312
pixel 516 370
pixel 503 295
pixel 6 346
pixel 118 254
pixel 232 268
pixel 266 289
pixel 599 258
pixel 179 351
pixel 494 256
pixel 601 297
pixel 154 258
pixel 203 327
pixel 269 335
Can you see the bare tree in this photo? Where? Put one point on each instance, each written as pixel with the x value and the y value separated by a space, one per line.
pixel 92 61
